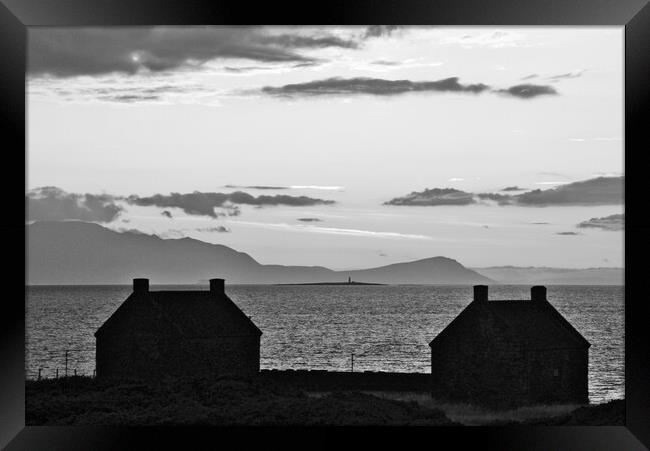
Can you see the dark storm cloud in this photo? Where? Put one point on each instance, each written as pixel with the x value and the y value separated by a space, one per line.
pixel 612 223
pixel 374 86
pixel 50 203
pixel 65 52
pixel 528 91
pixel 597 191
pixel 309 220
pixel 200 203
pixel 167 214
pixel 433 197
pixel 567 233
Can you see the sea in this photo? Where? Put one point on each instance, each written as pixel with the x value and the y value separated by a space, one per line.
pixel 373 327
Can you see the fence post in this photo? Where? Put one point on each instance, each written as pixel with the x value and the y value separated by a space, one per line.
pixel 75 372
pixel 39 374
pixel 352 363
pixel 57 373
pixel 94 372
pixel 66 363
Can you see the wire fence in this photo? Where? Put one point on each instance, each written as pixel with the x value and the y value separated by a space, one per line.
pixel 74 362
pixel 63 363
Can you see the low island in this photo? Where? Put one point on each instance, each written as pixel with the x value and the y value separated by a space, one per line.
pixel 349 282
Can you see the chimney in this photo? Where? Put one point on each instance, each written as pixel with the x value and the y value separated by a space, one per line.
pixel 538 293
pixel 140 285
pixel 217 286
pixel 480 293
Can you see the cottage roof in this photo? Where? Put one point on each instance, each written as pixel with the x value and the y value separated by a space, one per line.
pixel 193 313
pixel 536 324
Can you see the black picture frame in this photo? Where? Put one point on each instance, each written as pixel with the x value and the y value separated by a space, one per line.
pixel 17 15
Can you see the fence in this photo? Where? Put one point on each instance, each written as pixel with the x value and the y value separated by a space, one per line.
pixel 79 361
pixel 65 364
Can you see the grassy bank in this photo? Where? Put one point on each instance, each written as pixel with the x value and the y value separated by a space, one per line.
pixel 85 401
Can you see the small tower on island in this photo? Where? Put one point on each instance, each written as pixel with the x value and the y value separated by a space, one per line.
pixel 349 280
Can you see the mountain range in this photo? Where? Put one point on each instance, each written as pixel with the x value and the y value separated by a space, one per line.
pixel 72 252
pixel 81 253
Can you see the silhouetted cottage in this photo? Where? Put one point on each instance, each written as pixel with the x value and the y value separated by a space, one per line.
pixel 510 353
pixel 190 333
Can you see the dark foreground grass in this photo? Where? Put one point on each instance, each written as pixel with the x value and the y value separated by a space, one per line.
pixel 226 401
pixel 85 401
pixel 611 413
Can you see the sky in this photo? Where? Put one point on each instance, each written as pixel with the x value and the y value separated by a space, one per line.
pixel 346 147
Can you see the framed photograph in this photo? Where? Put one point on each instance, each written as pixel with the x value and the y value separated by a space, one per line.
pixel 393 220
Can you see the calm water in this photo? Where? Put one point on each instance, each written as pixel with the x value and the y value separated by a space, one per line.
pixel 387 328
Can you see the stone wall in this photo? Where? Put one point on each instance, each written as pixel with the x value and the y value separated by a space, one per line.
pixel 318 380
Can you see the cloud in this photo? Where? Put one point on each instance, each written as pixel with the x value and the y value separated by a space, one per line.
pixel 528 91
pixel 319 187
pixel 66 52
pixel 217 229
pixel 490 39
pixel 336 231
pixel 375 86
pixel 270 187
pixel 596 191
pixel 612 223
pixel 386 63
pixel 201 203
pixel 573 74
pixel 260 187
pixel 309 220
pixel 322 40
pixel 50 203
pixel 380 31
pixel 167 214
pixel 502 199
pixel 338 86
pixel 528 77
pixel 567 233
pixel 432 197
pixel 512 188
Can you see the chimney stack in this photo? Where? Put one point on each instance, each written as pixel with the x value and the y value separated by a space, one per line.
pixel 140 285
pixel 217 286
pixel 480 293
pixel 538 293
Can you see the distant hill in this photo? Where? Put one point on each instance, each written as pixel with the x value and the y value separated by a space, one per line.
pixel 554 276
pixel 61 253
